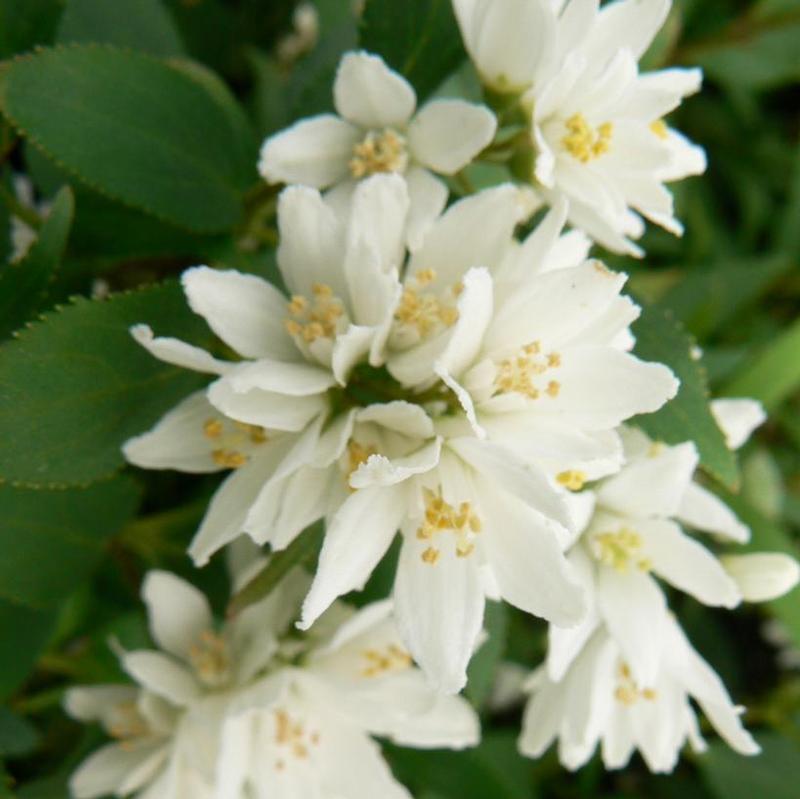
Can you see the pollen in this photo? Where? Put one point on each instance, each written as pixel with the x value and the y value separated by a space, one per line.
pixel 426 311
pixel 213 428
pixel 356 455
pixel 659 127
pixel 210 659
pixel 229 458
pixel 317 318
pixel 442 517
pixel 517 374
pixel 382 661
pixel 620 550
pixel 627 692
pixel 584 142
pixel 232 441
pixel 572 479
pixel 292 734
pixel 379 151
pixel 127 724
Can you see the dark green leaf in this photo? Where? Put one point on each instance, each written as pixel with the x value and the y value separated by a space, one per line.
pixel 418 38
pixel 141 24
pixel 17 735
pixel 25 23
pixel 160 139
pixel 24 284
pixel 51 540
pixel 24 632
pixel 75 386
pixel 687 417
pixel 483 667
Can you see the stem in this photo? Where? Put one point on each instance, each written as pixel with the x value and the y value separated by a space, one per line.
pixel 27 215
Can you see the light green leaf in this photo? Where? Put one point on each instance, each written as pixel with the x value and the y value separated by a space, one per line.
pixel 141 24
pixel 75 386
pixel 24 284
pixel 160 140
pixel 52 540
pixel 418 38
pixel 483 666
pixel 687 417
pixel 772 374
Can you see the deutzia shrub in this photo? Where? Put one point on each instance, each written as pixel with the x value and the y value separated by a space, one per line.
pixel 355 439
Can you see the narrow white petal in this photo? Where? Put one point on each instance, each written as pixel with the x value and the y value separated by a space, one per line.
pixel 428 197
pixel 313 152
pixel 162 675
pixel 763 576
pixel 178 353
pixel 447 134
pixel 246 312
pixel 381 471
pixel 704 511
pixel 178 612
pixel 369 94
pixel 738 418
pixel 399 416
pixel 97 702
pixel 295 379
pixel 105 770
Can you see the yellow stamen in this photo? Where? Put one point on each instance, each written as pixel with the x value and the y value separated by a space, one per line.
pixel 442 517
pixel 516 374
pixel 210 659
pixel 311 320
pixel 621 549
pixel 659 127
pixel 392 658
pixel 627 692
pixel 584 142
pixel 213 428
pixel 427 312
pixel 379 151
pixel 572 479
pixel 228 458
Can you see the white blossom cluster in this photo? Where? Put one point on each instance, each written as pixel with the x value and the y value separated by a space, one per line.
pixel 435 372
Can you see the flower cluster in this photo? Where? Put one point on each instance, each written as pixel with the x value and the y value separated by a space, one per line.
pixel 459 374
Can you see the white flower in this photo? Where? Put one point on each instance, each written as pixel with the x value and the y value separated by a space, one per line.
pixel 22 235
pixel 378 131
pixel 738 418
pixel 762 576
pixel 304 707
pixel 596 123
pixel 599 701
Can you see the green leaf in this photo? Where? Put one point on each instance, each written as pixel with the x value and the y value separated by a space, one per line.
pixel 24 284
pixel 52 540
pixel 418 38
pixel 687 417
pixel 75 386
pixel 302 549
pixel 483 667
pixel 25 23
pixel 772 374
pixel 774 774
pixel 17 735
pixel 24 632
pixel 160 140
pixel 141 24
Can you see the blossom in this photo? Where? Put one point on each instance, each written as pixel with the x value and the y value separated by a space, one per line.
pixel 378 130
pixel 303 707
pixel 595 122
pixel 599 701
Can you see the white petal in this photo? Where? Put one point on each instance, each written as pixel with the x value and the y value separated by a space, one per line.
pixel 349 349
pixel 704 511
pixel 439 609
pixel 628 24
pixel 687 564
pixel 178 353
pixel 177 441
pixel 738 418
pixel 97 702
pixel 293 379
pixel 144 773
pixel 399 416
pixel 178 612
pixel 651 486
pixel 634 608
pixel 763 576
pixel 314 152
pixel 527 562
pixel 104 770
pixel 162 675
pixel 369 94
pixel 428 197
pixel 447 134
pixel 541 720
pixel 356 539
pixel 246 312
pixel 381 471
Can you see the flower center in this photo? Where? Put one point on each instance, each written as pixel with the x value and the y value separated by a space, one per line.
pixel 231 440
pixel 379 151
pixel 128 725
pixel 357 454
pixel 585 142
pixel 422 310
pixel 291 734
pixel 442 517
pixel 516 374
pixel 391 658
pixel 627 692
pixel 317 318
pixel 210 659
pixel 572 479
pixel 620 550
pixel 659 127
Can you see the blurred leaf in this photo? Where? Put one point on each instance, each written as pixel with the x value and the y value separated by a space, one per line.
pixel 24 284
pixel 23 635
pixel 762 483
pixel 51 540
pixel 483 666
pixel 25 23
pixel 75 386
pixel 160 140
pixel 418 38
pixel 774 774
pixel 17 735
pixel 687 417
pixel 270 102
pixel 772 374
pixel 141 24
